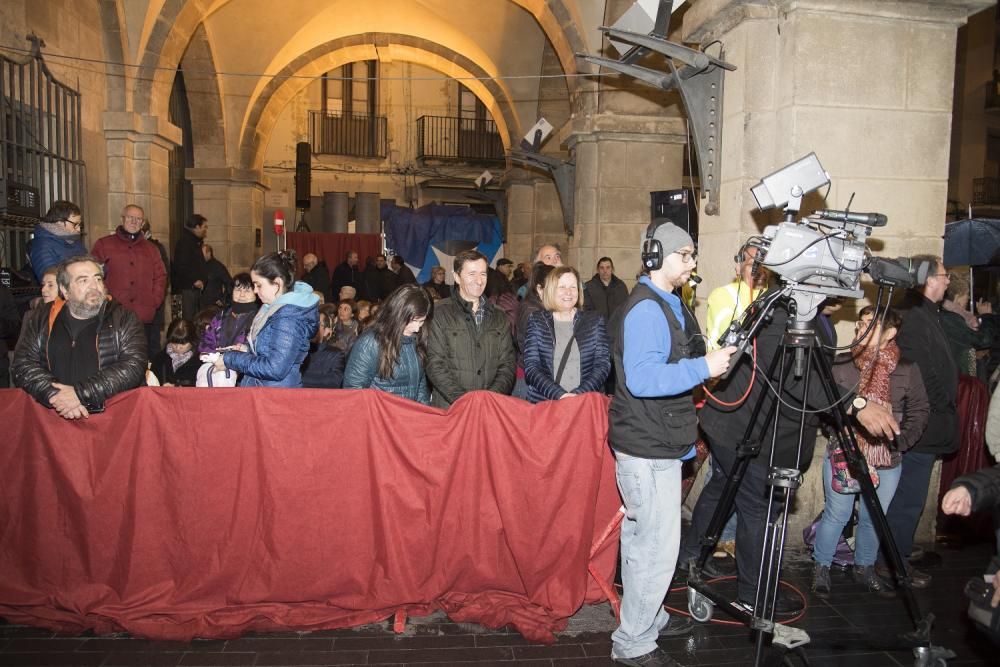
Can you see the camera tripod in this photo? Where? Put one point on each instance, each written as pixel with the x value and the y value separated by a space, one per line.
pixel 801 354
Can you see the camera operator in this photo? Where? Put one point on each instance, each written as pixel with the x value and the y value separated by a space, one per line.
pixel 724 427
pixel 659 359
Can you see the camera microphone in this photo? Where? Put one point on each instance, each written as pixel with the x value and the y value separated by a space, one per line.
pixel 869 219
pixel 694 280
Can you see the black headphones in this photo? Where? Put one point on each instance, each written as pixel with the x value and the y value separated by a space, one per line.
pixel 652 250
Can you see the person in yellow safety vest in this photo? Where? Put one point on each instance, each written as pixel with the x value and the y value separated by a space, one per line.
pixel 728 302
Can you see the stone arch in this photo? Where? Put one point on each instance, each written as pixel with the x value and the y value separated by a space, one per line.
pixel 166 40
pixel 281 88
pixel 204 97
pixel 114 52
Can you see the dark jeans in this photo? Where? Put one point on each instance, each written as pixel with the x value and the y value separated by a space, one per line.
pixel 751 522
pixel 153 337
pixel 908 503
pixel 190 303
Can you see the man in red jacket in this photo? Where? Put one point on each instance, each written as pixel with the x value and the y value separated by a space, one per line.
pixel 133 270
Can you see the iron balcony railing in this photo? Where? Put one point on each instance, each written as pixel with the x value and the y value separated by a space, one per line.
pixel 460 139
pixel 985 191
pixel 356 135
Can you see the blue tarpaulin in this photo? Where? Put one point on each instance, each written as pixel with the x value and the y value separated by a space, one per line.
pixel 433 234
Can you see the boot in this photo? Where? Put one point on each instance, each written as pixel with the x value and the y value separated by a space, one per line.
pixel 821 581
pixel 865 575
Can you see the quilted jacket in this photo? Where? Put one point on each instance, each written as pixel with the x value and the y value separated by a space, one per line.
pixel 539 355
pixel 407 379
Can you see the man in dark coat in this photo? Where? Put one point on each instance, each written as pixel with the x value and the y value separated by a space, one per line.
pixel 75 354
pixel 404 276
pixel 379 280
pixel 156 328
pixel 922 339
pixel 190 271
pixel 469 346
pixel 219 284
pixel 316 274
pixel 347 274
pixel 605 291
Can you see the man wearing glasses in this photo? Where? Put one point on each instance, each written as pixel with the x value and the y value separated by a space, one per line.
pixel 659 359
pixel 133 270
pixel 57 237
pixel 922 339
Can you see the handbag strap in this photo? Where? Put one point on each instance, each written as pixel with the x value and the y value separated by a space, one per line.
pixel 565 358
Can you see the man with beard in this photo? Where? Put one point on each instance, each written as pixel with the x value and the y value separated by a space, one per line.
pixel 75 354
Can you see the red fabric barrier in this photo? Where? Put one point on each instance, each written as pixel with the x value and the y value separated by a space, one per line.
pixel 183 513
pixel 973 404
pixel 333 248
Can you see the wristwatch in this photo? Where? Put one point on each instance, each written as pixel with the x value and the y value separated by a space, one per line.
pixel 859 403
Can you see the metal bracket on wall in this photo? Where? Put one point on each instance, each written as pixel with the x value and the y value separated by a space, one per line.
pixel 563 175
pixel 699 82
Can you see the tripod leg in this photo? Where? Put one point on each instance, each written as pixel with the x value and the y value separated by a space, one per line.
pixel 747 450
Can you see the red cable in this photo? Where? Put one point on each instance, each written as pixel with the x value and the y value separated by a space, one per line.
pixel 746 394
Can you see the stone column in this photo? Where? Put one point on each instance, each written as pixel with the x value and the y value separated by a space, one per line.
pixel 233 201
pixel 865 84
pixel 138 173
pixel 620 159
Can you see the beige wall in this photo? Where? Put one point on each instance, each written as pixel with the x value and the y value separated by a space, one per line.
pixel 71 29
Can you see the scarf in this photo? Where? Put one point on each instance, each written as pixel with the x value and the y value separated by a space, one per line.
pixel 57 229
pixel 178 359
pixel 241 308
pixel 876 366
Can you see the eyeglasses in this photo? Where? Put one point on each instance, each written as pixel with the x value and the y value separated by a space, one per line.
pixel 133 218
pixel 687 257
pixel 74 225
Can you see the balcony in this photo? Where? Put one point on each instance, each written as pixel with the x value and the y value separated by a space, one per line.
pixel 354 135
pixel 986 192
pixel 459 140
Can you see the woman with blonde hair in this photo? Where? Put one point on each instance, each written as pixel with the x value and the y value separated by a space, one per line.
pixel 566 349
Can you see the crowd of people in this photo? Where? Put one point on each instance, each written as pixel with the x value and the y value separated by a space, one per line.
pixel 540 332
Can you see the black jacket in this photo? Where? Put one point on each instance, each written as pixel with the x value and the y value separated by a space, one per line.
pixel 10 323
pixel 319 278
pixel 604 300
pixel 462 358
pixel 725 425
pixel 189 264
pixel 185 376
pixel 983 486
pixel 922 339
pixel 218 285
pixel 345 274
pixel 121 352
pixel 379 283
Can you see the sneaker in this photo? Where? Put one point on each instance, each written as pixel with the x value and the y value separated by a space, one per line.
pixel 720 566
pixel 865 575
pixel 655 658
pixel 677 626
pixel 821 581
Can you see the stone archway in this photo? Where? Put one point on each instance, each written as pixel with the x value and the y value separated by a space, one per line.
pixel 281 88
pixel 166 39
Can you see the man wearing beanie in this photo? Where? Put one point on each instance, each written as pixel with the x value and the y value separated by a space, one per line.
pixel 659 358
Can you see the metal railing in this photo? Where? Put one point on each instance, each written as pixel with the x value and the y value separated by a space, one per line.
pixel 985 191
pixel 460 139
pixel 357 135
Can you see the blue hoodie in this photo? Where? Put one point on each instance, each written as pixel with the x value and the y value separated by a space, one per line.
pixel 281 333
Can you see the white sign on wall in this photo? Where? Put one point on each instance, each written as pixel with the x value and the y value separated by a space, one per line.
pixel 276 199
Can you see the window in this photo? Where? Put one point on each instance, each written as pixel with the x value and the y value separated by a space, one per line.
pixel 352 89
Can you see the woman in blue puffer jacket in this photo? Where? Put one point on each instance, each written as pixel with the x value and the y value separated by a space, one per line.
pixel 279 336
pixel 563 330
pixel 391 353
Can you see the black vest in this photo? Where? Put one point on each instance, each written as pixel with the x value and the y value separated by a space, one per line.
pixel 653 428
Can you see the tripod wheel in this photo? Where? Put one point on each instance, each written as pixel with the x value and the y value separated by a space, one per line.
pixel 700 607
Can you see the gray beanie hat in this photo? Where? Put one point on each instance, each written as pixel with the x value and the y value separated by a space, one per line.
pixel 672 238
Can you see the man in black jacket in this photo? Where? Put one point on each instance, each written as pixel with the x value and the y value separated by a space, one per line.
pixel 922 339
pixel 189 270
pixel 605 291
pixel 316 274
pixel 74 355
pixel 10 323
pixel 347 274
